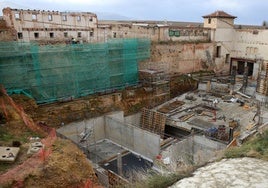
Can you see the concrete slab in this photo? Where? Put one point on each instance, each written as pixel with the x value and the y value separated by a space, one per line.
pixel 226 111
pixel 8 154
pixel 103 150
pixel 35 147
pixel 201 124
pixel 131 164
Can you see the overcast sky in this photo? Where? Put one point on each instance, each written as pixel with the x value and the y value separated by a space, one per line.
pixel 247 11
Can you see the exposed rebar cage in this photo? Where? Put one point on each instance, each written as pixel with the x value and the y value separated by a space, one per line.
pixel 262 81
pixel 158 82
pixel 52 73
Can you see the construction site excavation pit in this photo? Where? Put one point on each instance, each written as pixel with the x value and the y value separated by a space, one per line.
pixel 190 129
pixel 114 146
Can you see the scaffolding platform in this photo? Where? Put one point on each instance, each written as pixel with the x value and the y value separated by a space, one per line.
pixel 158 82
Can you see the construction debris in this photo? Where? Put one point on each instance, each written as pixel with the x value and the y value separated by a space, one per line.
pixel 35 147
pixel 9 154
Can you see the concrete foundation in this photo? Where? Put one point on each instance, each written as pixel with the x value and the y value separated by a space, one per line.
pixel 75 131
pixel 134 119
pixel 133 138
pixel 194 149
pixel 102 150
pixel 205 149
pixel 89 133
pixel 118 149
pixel 179 153
pixel 132 164
pixel 261 98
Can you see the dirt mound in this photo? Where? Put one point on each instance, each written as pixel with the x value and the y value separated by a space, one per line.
pixel 16 121
pixel 66 167
pixel 28 104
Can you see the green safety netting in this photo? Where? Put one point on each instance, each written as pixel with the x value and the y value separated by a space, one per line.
pixel 57 72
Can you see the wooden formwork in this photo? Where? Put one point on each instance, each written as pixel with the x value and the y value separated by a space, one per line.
pixel 159 121
pixel 146 118
pixel 153 121
pixel 116 181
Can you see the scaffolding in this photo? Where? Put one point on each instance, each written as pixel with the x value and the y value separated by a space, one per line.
pixel 60 72
pixel 158 82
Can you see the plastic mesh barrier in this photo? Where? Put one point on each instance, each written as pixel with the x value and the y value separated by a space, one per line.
pixel 59 72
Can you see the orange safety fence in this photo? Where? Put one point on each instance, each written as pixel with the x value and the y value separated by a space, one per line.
pixel 90 184
pixel 28 121
pixel 17 174
pixel 18 184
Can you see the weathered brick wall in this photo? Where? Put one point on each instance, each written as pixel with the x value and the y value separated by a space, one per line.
pixel 174 57
pixel 6 33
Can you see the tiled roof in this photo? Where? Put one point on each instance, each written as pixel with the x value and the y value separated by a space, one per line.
pixel 219 14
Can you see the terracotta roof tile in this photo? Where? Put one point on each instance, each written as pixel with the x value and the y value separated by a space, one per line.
pixel 219 14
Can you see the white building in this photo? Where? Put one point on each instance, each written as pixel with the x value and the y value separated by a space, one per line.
pixel 240 46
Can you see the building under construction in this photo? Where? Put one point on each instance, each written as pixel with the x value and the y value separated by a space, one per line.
pixel 108 100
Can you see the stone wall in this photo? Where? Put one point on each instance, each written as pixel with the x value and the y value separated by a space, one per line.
pixel 175 57
pixel 6 33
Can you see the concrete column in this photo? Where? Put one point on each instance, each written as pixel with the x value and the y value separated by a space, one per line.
pixel 119 164
pixel 255 70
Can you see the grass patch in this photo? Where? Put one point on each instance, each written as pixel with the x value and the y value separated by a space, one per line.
pixel 161 181
pixel 4 167
pixel 256 147
pixel 6 137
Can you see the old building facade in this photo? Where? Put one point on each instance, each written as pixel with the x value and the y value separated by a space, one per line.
pixel 155 30
pixel 217 43
pixel 49 26
pixel 37 25
pixel 240 46
pixel 240 49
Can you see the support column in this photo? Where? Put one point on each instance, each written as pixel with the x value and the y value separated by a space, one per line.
pixel 119 164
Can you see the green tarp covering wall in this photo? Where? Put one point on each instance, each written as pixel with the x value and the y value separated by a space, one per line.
pixel 57 72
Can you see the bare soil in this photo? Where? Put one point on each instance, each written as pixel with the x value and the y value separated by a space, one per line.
pixel 66 166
